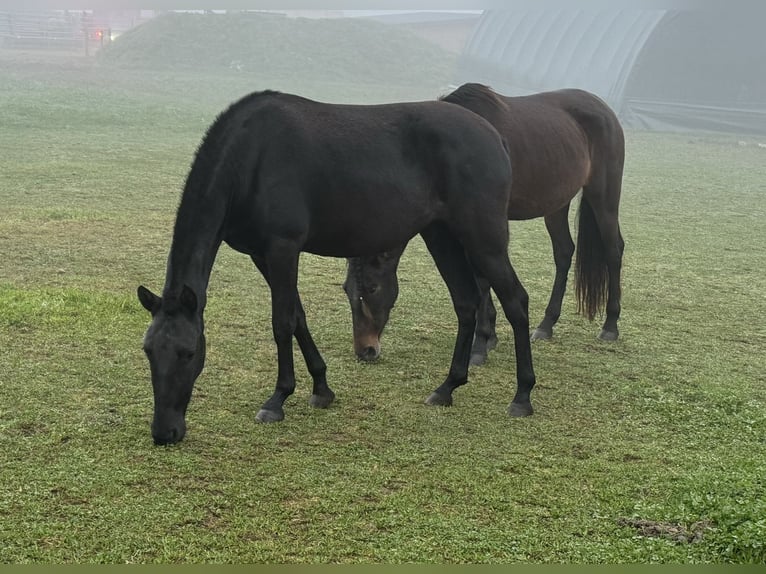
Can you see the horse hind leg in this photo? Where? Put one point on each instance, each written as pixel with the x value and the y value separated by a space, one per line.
pixel 557 224
pixel 515 302
pixel 600 248
pixel 609 331
pixel 485 338
pixel 449 256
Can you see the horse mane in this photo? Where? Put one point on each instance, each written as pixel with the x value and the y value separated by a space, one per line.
pixel 214 140
pixel 356 270
pixel 473 93
pixel 220 126
pixel 206 167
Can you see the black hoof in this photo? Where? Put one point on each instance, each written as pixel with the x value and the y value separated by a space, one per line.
pixel 541 335
pixel 321 401
pixel 266 416
pixel 520 409
pixel 438 400
pixel 477 359
pixel 605 335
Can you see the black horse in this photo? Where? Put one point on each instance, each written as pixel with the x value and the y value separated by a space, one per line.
pixel 277 174
pixel 559 142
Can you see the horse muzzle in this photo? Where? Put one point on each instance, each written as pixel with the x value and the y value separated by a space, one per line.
pixel 369 350
pixel 168 429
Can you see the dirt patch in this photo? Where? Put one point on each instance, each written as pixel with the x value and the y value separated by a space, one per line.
pixel 669 530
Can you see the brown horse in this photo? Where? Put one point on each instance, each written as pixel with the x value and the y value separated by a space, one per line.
pixel 559 142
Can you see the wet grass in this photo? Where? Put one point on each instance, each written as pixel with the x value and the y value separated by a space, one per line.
pixel 651 449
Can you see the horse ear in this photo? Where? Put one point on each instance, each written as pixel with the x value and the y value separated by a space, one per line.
pixel 149 300
pixel 188 299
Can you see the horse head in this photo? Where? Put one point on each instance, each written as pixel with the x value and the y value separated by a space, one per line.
pixel 175 346
pixel 372 288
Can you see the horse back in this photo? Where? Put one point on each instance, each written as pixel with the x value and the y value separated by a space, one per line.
pixel 334 176
pixel 594 116
pixel 556 140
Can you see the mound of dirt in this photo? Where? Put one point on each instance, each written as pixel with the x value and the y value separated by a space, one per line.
pixel 275 46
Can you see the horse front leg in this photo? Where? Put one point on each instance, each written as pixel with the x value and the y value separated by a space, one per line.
pixel 282 264
pixel 450 259
pixel 322 395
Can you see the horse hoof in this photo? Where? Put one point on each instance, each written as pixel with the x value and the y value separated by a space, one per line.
pixel 540 335
pixel 477 359
pixel 605 335
pixel 520 409
pixel 266 416
pixel 321 401
pixel 437 400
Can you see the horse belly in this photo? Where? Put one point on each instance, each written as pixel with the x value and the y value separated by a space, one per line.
pixel 546 182
pixel 539 201
pixel 366 224
pixel 341 237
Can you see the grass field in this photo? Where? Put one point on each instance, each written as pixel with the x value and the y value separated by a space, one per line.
pixel 651 449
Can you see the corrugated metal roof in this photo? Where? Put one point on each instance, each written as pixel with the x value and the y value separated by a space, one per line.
pixel 535 50
pixel 661 69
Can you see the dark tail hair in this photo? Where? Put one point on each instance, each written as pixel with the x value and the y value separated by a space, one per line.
pixel 591 273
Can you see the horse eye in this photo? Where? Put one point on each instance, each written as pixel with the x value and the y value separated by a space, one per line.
pixel 371 290
pixel 185 355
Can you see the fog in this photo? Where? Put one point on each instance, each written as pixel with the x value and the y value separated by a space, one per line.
pixel 645 447
pixel 659 69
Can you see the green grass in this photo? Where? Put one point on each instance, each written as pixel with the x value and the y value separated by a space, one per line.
pixel 651 449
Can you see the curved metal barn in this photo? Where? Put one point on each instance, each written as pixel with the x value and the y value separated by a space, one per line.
pixel 659 69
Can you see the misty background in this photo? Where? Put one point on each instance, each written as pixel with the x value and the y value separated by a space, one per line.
pixel 648 449
pixel 671 70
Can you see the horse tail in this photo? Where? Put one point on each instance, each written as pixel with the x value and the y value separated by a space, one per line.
pixel 591 273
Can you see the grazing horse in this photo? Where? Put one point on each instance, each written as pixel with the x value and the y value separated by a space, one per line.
pixel 559 142
pixel 278 174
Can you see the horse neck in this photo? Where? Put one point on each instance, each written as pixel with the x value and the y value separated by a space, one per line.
pixel 196 239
